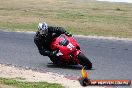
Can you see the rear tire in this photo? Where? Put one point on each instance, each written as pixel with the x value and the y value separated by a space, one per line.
pixel 84 61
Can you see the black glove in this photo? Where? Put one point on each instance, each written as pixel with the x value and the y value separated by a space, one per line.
pixel 68 34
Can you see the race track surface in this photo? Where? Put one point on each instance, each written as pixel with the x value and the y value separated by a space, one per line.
pixel 112 59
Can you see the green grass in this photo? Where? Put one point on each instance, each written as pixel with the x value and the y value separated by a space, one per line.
pixel 20 84
pixel 87 17
pixel 18 26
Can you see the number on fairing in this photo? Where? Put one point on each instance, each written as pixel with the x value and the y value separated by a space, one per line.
pixel 70 46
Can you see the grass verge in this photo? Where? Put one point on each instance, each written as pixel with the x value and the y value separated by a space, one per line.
pixel 19 84
pixel 87 17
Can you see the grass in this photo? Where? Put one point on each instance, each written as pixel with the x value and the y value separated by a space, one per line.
pixel 19 84
pixel 87 17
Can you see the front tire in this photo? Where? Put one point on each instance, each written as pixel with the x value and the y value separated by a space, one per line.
pixel 84 61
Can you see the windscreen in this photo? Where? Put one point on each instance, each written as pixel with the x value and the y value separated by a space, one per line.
pixel 64 41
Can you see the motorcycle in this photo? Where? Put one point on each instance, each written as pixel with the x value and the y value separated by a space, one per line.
pixel 69 52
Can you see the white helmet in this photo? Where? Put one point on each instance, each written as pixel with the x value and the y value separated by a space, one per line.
pixel 42 26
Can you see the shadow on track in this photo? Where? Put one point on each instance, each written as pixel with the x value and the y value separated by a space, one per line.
pixel 73 67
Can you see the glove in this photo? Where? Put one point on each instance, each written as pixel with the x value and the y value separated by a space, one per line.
pixel 68 34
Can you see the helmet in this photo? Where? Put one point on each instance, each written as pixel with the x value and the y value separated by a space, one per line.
pixel 42 28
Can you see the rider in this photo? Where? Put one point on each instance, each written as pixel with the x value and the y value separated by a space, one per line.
pixel 44 36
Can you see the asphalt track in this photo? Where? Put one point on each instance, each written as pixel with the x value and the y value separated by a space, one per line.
pixel 112 59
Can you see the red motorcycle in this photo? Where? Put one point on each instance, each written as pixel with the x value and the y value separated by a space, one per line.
pixel 69 52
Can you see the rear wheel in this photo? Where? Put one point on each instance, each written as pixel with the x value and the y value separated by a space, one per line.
pixel 84 61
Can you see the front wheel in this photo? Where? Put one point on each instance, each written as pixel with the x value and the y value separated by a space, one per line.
pixel 84 61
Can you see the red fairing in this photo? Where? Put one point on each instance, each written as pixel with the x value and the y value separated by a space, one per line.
pixel 68 47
